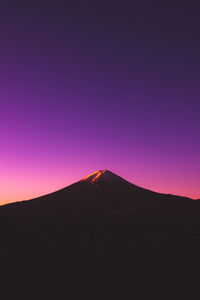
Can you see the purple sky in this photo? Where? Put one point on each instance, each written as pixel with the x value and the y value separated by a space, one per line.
pixel 99 85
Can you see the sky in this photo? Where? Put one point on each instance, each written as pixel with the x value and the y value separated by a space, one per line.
pixel 88 85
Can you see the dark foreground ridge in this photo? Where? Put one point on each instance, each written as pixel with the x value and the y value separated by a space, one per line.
pixel 104 224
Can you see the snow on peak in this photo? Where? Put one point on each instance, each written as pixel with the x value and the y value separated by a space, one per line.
pixel 102 176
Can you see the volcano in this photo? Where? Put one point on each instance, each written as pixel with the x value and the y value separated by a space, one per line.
pixel 102 193
pixel 101 221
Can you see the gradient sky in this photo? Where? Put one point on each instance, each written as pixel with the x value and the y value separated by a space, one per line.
pixel 90 85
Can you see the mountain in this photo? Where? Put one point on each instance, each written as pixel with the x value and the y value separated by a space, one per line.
pixel 102 193
pixel 100 222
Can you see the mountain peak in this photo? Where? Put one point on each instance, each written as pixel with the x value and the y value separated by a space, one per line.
pixel 105 176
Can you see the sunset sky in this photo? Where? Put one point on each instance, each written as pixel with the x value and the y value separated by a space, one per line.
pixel 90 85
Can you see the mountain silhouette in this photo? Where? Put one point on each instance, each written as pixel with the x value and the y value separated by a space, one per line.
pixel 101 222
pixel 103 193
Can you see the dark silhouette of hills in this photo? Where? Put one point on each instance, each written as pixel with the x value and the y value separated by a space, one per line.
pixel 103 224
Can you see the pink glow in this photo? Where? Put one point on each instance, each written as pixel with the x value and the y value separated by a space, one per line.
pixel 78 94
